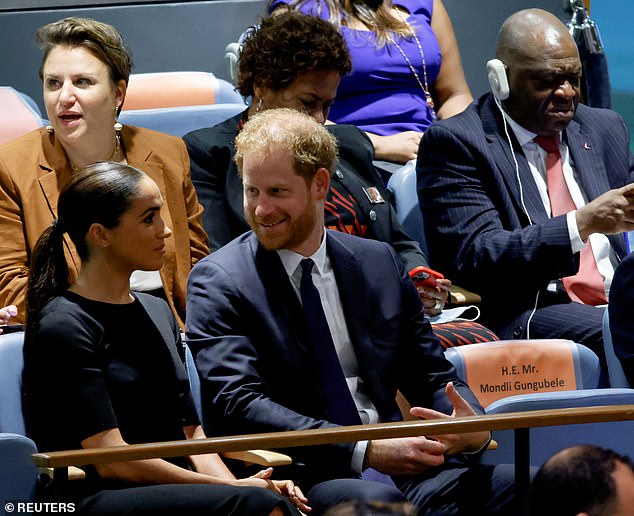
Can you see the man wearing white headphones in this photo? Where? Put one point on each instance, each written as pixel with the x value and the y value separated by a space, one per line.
pixel 526 194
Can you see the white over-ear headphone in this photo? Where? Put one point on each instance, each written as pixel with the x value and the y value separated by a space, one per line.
pixel 496 72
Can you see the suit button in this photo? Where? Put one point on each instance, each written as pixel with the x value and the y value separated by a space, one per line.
pixel 517 332
pixel 372 215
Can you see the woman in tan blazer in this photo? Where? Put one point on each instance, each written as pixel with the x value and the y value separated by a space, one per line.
pixel 85 73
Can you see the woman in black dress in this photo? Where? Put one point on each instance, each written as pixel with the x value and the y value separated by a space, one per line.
pixel 103 365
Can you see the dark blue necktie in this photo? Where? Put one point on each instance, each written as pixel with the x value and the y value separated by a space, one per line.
pixel 339 402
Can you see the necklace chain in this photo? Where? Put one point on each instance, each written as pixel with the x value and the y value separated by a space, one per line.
pixel 114 157
pixel 428 98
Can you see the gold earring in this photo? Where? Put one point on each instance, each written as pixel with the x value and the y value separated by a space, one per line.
pixel 50 129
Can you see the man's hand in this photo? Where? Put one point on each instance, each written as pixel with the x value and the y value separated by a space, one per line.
pixel 609 214
pixel 405 456
pixel 434 298
pixel 455 443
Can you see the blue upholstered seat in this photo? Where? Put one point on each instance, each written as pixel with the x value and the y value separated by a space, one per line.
pixel 615 369
pixel 18 475
pixel 546 441
pixel 178 121
pixel 179 102
pixel 403 184
pixel 587 369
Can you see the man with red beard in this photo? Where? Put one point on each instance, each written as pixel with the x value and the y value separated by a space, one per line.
pixel 526 194
pixel 295 327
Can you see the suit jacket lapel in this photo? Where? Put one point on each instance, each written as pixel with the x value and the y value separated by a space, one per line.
pixel 589 167
pixel 54 173
pixel 502 156
pixel 283 302
pixel 591 172
pixel 352 285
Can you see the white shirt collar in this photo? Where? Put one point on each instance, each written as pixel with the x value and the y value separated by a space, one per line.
pixel 523 135
pixel 291 259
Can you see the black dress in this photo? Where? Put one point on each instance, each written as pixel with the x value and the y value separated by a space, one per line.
pixel 93 366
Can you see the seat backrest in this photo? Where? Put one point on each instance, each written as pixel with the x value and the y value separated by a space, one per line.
pixel 403 184
pixel 172 89
pixel 19 114
pixel 179 121
pixel 505 368
pixel 18 475
pixel 232 53
pixel 11 365
pixel 547 441
pixel 615 369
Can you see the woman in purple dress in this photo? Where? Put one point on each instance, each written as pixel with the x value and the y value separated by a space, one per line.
pixel 406 69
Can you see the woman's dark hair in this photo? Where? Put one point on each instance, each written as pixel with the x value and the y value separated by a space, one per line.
pixel 100 193
pixel 287 46
pixel 101 39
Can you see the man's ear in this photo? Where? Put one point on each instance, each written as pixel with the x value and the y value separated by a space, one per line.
pixel 99 235
pixel 321 183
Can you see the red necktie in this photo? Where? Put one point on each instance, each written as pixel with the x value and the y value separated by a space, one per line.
pixel 587 285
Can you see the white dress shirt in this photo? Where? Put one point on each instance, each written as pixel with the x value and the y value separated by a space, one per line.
pixel 324 279
pixel 604 255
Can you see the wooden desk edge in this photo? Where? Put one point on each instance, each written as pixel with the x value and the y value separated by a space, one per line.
pixel 276 440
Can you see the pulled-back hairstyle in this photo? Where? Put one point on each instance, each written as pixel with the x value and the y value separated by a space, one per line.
pixel 287 46
pixel 101 39
pixel 374 14
pixel 308 142
pixel 100 193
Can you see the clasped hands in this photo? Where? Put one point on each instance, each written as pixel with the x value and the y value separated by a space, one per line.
pixel 434 298
pixel 413 455
pixel 286 488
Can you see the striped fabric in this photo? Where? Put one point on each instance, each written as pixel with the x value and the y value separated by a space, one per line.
pixel 460 333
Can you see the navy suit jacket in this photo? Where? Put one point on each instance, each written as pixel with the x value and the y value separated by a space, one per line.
pixel 621 320
pixel 476 228
pixel 246 328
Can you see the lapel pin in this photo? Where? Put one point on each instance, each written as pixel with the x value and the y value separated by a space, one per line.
pixel 373 194
pixel 586 146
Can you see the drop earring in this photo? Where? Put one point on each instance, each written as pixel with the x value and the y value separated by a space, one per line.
pixel 117 124
pixel 50 129
pixel 259 107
